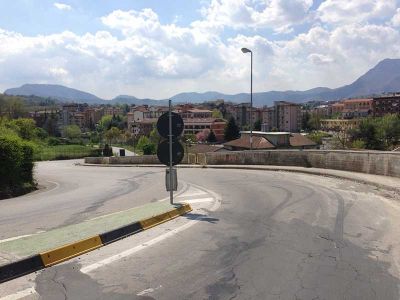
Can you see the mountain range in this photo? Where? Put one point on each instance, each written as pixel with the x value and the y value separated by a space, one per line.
pixel 383 78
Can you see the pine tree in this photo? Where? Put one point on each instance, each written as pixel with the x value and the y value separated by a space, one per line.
pixel 231 130
pixel 211 137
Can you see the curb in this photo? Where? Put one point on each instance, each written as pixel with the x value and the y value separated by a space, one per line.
pixel 58 255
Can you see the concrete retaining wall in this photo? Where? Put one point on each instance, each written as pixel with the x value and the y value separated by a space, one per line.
pixel 371 162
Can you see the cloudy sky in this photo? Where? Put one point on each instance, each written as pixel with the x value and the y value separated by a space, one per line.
pixel 151 48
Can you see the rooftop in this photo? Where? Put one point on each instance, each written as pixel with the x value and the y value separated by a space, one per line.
pixel 266 133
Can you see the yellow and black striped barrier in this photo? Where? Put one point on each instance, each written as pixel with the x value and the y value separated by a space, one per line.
pixel 65 252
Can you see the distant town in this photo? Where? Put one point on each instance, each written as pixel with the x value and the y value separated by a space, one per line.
pixel 313 124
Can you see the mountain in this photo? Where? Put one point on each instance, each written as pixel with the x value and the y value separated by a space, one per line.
pixel 125 99
pixel 383 78
pixel 54 91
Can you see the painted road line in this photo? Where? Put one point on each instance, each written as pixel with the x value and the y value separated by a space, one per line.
pixel 20 237
pixel 188 194
pixel 200 200
pixel 148 291
pixel 15 238
pixel 152 242
pixel 21 294
pixel 136 249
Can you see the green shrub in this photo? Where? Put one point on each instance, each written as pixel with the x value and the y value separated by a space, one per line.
pixel 52 141
pixel 358 144
pixel 149 149
pixel 16 171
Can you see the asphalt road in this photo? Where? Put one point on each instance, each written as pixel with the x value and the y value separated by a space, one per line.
pixel 71 194
pixel 275 236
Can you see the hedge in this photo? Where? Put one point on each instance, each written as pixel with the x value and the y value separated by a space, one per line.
pixel 16 166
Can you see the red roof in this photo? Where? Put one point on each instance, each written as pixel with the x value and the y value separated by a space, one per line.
pixel 298 140
pixel 244 143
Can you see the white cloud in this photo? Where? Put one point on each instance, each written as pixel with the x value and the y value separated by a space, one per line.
pixel 280 15
pixel 346 11
pixel 62 6
pixel 152 59
pixel 395 21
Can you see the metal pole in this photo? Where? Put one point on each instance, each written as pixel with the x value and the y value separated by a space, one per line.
pixel 251 100
pixel 171 192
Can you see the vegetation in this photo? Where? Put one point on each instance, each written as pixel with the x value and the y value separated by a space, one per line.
pixel 377 133
pixel 257 125
pixel 65 152
pixel 73 132
pixel 231 130
pixel 16 157
pixel 317 136
pixel 216 113
pixel 211 137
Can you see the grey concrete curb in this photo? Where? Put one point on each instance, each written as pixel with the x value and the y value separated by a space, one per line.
pixel 327 173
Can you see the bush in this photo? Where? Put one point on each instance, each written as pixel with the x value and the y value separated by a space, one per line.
pixel 358 144
pixel 149 149
pixel 16 172
pixel 52 141
pixel 107 151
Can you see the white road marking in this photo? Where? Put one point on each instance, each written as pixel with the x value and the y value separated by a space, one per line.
pixel 148 291
pixel 20 294
pixel 56 183
pixel 19 237
pixel 152 242
pixel 200 200
pixel 191 194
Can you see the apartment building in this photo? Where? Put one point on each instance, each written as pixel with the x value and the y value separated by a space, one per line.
pixel 356 108
pixel 283 116
pixel 386 104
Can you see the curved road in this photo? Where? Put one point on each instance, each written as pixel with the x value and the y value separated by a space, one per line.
pixel 275 236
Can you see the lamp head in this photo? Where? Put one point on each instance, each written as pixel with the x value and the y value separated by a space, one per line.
pixel 245 50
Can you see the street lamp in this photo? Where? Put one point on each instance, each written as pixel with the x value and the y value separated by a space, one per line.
pixel 245 50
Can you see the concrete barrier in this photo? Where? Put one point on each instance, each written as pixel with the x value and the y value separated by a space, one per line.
pixel 370 162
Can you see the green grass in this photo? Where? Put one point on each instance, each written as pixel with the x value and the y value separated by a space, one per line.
pixel 64 152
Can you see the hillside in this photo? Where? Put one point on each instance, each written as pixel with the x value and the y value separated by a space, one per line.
pixel 384 77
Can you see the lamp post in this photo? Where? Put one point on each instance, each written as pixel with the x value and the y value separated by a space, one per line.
pixel 245 50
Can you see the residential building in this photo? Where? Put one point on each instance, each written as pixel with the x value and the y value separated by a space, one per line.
pixel 112 110
pixel 196 125
pixel 339 124
pixel 356 108
pixel 93 116
pixel 73 114
pixel 337 108
pixel 386 104
pixel 283 116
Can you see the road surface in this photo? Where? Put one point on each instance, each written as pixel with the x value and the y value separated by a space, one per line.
pixel 275 235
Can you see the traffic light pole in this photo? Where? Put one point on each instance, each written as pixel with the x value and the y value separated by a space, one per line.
pixel 171 191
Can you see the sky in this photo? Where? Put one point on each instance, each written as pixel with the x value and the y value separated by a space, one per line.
pixel 156 49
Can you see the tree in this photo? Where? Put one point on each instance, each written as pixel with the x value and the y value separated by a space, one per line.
pixel 231 130
pixel 305 119
pixel 154 136
pixel 257 125
pixel 149 149
pixel 112 134
pixel 314 123
pixel 26 128
pixel 216 113
pixel 211 137
pixel 72 132
pixel 105 123
pixel 143 140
